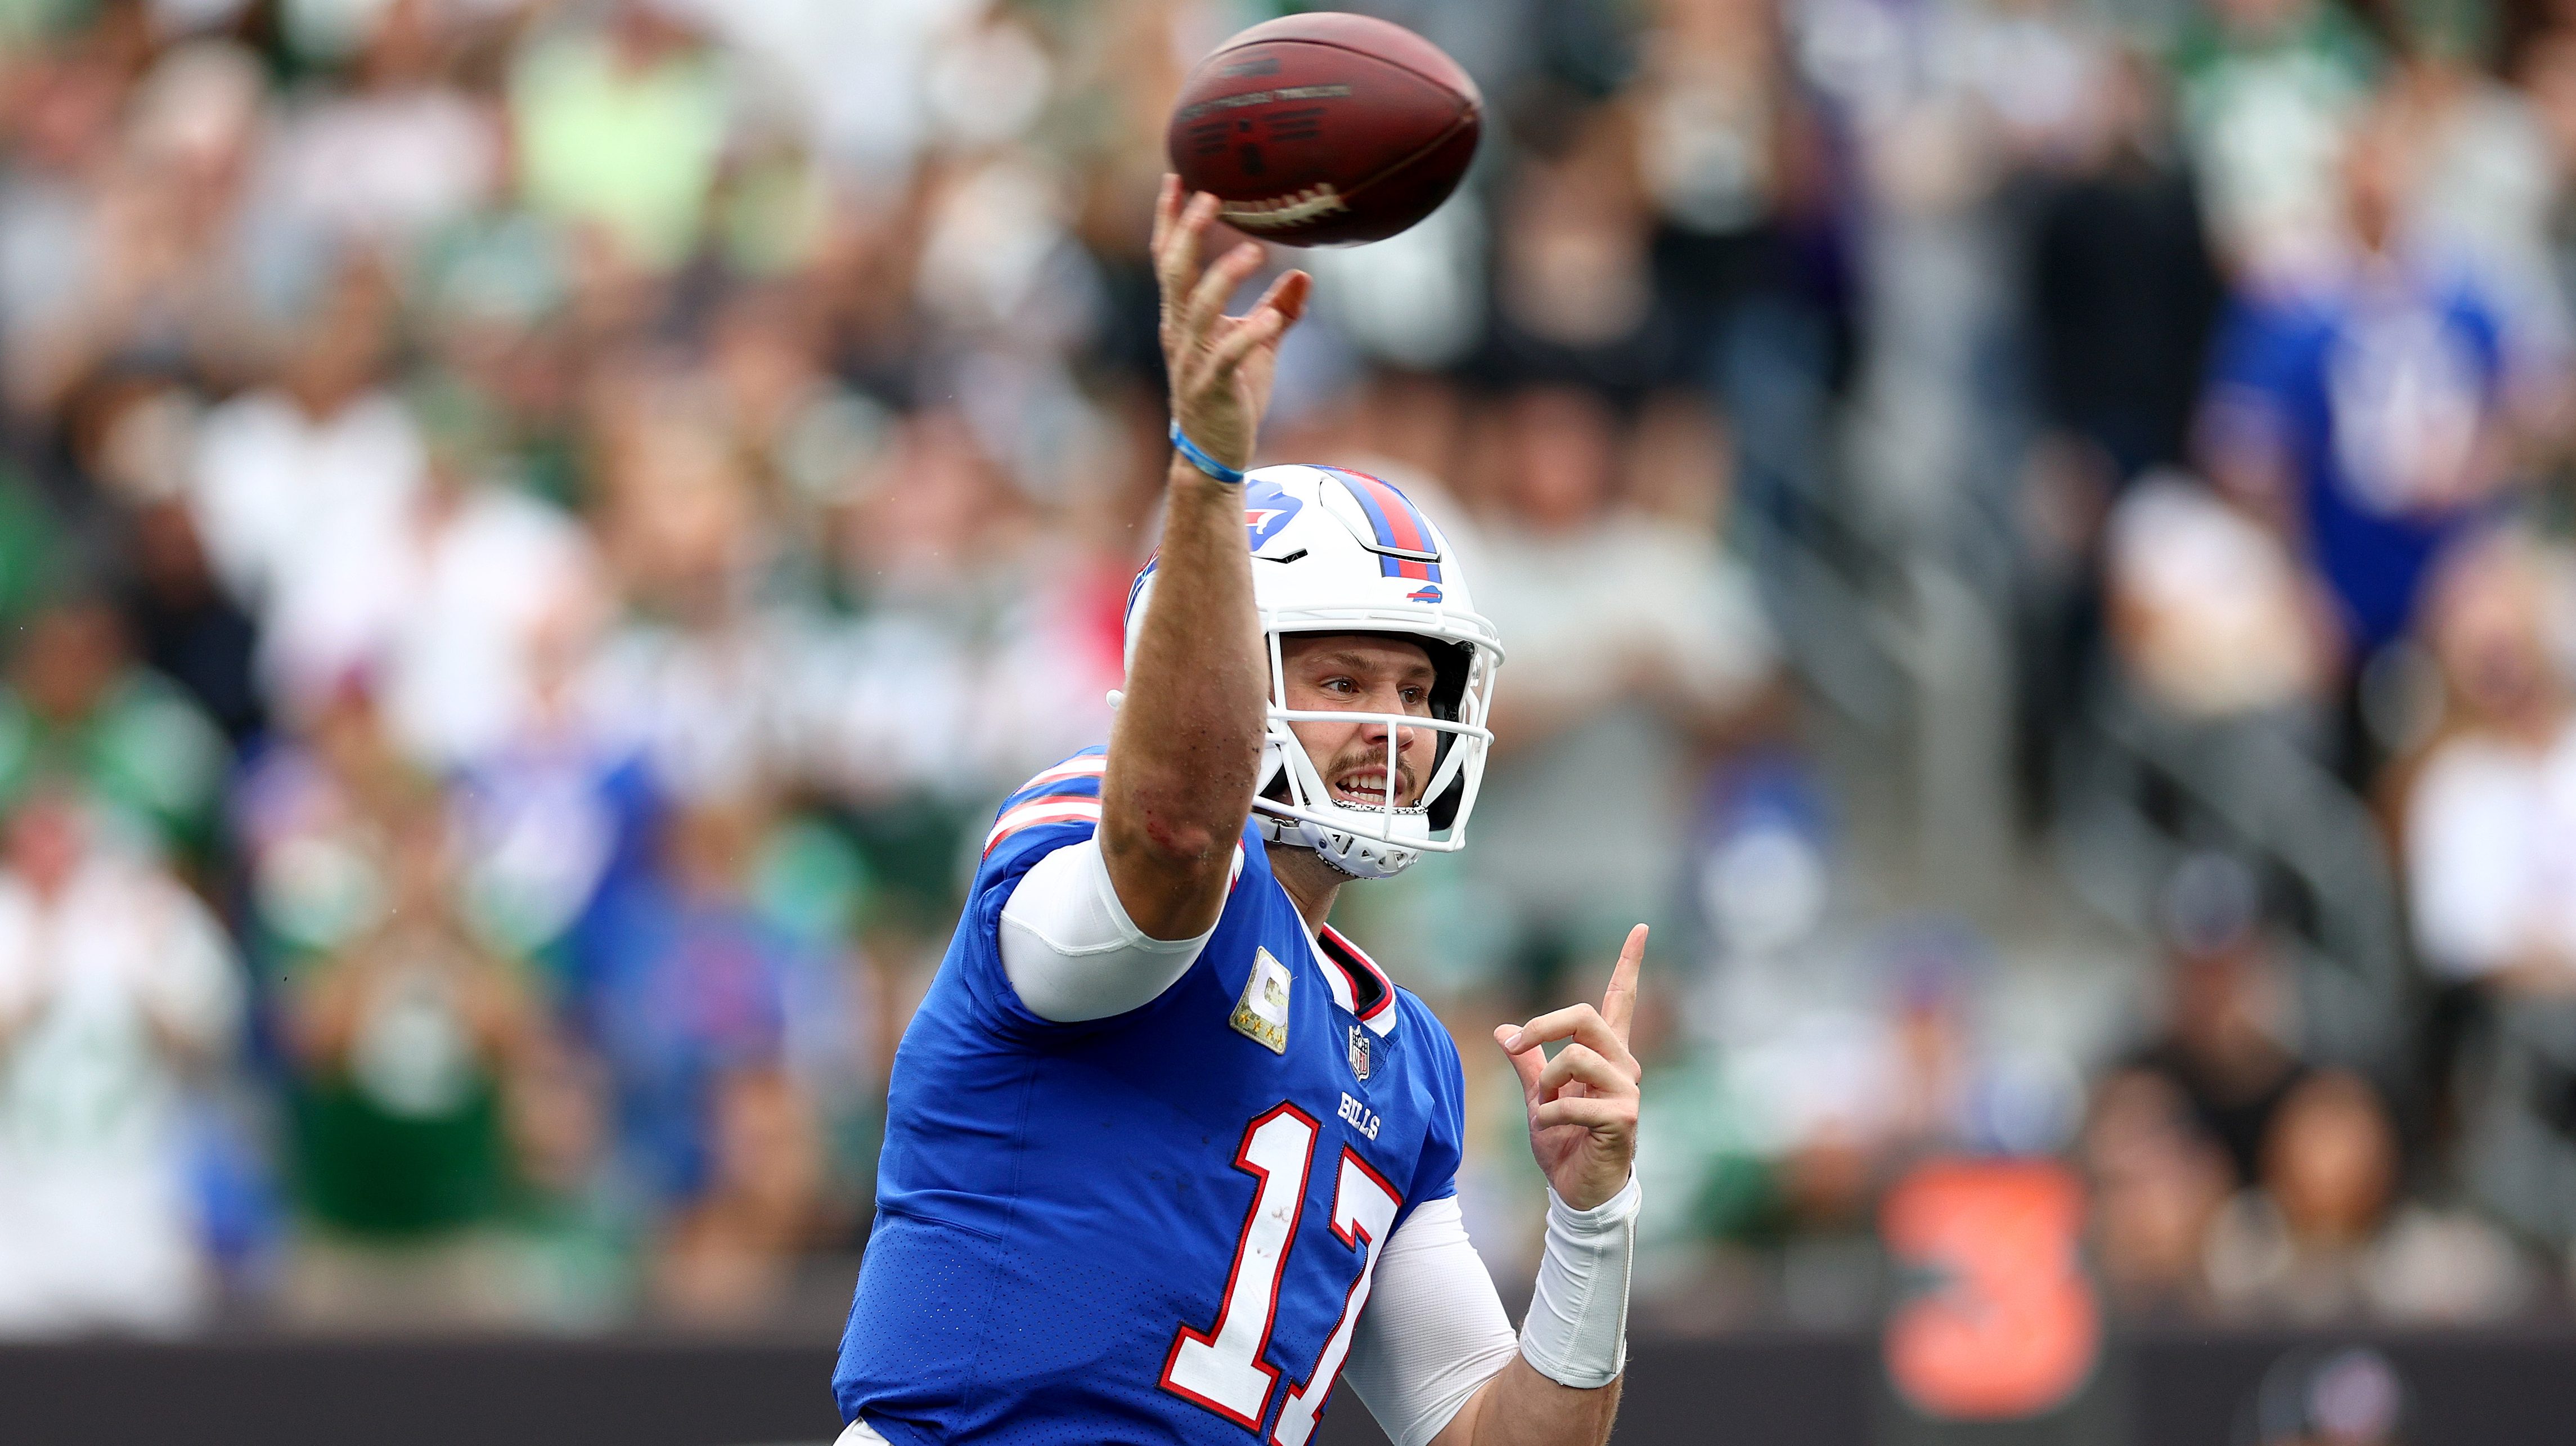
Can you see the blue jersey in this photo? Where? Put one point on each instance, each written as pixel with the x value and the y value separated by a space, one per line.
pixel 2380 398
pixel 1156 1227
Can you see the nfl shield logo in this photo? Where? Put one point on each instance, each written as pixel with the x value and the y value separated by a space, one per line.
pixel 1359 1053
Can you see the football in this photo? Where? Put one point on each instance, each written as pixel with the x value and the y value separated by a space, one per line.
pixel 1325 129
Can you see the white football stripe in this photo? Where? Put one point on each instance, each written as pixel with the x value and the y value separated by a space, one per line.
pixel 1042 810
pixel 1091 767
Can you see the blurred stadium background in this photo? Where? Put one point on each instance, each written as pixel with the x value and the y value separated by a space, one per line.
pixel 2034 538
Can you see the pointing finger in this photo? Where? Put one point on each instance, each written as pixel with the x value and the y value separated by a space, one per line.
pixel 1619 1004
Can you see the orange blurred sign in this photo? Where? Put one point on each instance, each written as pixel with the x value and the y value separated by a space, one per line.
pixel 2000 1322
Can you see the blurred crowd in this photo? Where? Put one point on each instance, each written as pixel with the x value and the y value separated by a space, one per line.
pixel 533 535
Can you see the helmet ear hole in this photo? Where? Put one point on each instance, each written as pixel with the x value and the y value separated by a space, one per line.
pixel 1450 665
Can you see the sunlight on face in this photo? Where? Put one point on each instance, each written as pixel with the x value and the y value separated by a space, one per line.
pixel 1362 673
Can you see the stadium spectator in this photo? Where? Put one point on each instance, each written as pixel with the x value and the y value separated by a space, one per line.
pixel 2485 824
pixel 2488 812
pixel 570 1229
pixel 119 999
pixel 2488 185
pixel 728 1256
pixel 2268 90
pixel 309 816
pixel 1735 165
pixel 2223 1041
pixel 77 705
pixel 2122 284
pixel 1643 649
pixel 2327 1236
pixel 2369 412
pixel 688 989
pixel 288 476
pixel 2209 616
pixel 690 677
pixel 442 599
pixel 137 440
pixel 618 128
pixel 403 1037
pixel 146 254
pixel 392 158
pixel 2159 1182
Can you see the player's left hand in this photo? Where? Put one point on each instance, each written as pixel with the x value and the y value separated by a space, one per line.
pixel 1583 1103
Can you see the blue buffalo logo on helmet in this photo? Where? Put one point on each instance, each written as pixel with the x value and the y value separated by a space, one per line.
pixel 1267 509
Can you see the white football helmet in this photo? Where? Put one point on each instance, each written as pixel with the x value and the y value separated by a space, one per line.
pixel 1335 551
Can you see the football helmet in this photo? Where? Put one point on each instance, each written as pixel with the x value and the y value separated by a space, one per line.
pixel 1336 551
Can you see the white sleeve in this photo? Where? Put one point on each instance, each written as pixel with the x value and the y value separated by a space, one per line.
pixel 1069 948
pixel 1434 1330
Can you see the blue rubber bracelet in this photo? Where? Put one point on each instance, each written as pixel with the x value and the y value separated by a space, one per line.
pixel 1201 460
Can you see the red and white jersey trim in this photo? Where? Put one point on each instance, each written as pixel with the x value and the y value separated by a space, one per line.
pixel 1350 974
pixel 1057 808
pixel 1073 808
pixel 1089 765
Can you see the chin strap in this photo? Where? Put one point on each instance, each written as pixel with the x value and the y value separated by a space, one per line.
pixel 1344 852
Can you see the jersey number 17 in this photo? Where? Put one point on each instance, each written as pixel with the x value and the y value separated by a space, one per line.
pixel 1221 1368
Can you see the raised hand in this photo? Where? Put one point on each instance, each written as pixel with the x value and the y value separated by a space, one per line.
pixel 1583 1103
pixel 1221 366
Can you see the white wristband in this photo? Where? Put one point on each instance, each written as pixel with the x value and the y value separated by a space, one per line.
pixel 1576 1333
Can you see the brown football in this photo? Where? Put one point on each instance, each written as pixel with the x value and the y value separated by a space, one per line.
pixel 1325 129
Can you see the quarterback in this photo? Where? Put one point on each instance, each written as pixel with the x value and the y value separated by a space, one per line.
pixel 1166 1156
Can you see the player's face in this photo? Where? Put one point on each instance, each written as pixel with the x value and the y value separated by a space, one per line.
pixel 1361 673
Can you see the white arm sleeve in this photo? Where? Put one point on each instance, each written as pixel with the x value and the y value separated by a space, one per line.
pixel 1576 1332
pixel 1069 948
pixel 1434 1330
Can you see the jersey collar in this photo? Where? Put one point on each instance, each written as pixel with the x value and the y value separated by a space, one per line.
pixel 1358 985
